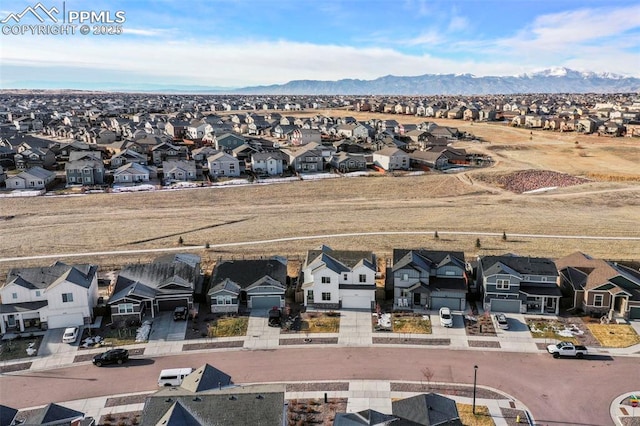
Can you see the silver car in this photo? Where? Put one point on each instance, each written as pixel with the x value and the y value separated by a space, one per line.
pixel 501 319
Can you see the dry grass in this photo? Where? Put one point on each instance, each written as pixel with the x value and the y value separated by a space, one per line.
pixel 412 324
pixel 320 323
pixel 614 335
pixel 548 329
pixel 481 418
pixel 107 222
pixel 229 327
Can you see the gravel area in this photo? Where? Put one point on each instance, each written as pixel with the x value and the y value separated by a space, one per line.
pixel 483 344
pixel 529 180
pixel 630 421
pixel 126 418
pixel 510 416
pixel 458 390
pixel 15 367
pixel 213 345
pixel 310 341
pixel 125 400
pixel 403 341
pixel 318 387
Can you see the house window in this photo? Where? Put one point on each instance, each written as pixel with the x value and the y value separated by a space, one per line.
pixel 125 308
pixel 326 297
pixel 326 280
pixel 598 300
pixel 37 293
pixel 67 297
pixel 310 296
pixel 362 278
pixel 405 277
pixel 502 284
pixel 14 295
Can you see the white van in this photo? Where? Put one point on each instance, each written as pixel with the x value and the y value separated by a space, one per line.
pixel 173 376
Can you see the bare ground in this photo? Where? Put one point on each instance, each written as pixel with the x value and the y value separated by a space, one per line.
pixel 465 202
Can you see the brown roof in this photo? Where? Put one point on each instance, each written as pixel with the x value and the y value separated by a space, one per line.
pixel 597 270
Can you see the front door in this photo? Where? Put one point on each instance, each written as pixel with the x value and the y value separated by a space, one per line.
pixel 416 299
pixel 11 321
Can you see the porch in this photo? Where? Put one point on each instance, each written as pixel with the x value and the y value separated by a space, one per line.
pixel 21 317
pixel 541 300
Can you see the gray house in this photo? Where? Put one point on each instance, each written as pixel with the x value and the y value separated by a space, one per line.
pixel 256 284
pixel 348 162
pixel 85 172
pixel 179 170
pixel 426 279
pixel 223 164
pixel 162 285
pixel 272 163
pixel 305 160
pixel 34 178
pixel 517 284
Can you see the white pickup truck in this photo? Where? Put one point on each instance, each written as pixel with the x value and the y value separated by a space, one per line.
pixel 567 349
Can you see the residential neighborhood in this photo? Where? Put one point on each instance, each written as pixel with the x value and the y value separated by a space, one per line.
pixel 109 141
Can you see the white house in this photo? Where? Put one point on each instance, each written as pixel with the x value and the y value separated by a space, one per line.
pixel 131 173
pixel 334 279
pixel 391 159
pixel 59 295
pixel 272 163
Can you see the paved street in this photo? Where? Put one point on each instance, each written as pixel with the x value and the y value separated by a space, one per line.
pixel 548 387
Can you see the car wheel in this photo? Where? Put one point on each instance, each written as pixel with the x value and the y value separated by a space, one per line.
pixel 120 361
pixel 556 355
pixel 580 355
pixel 99 364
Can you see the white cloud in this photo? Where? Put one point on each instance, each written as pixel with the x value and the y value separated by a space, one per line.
pixel 458 23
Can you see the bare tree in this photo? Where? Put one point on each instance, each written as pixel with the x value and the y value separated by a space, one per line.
pixel 427 373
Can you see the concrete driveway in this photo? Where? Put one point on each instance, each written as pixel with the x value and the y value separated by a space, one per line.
pixel 164 328
pixel 52 343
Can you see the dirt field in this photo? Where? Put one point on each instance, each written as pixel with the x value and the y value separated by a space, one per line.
pixel 609 205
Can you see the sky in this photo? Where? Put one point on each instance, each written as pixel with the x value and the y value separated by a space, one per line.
pixel 240 43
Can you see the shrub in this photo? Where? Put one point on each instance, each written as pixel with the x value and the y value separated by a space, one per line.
pixel 478 243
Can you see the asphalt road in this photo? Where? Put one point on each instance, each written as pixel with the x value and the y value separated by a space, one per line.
pixel 557 391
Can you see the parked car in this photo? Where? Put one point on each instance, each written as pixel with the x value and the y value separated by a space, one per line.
pixel 446 319
pixel 112 356
pixel 180 313
pixel 567 349
pixel 501 319
pixel 70 335
pixel 275 317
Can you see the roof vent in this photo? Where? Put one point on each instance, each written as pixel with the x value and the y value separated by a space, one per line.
pixel 259 397
pixel 197 398
pixel 232 398
pixel 167 400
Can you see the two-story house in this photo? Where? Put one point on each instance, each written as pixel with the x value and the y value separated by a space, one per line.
pixel 223 164
pixel 53 296
pixel 427 279
pixel 518 284
pixel 336 279
pixel 252 283
pixel 88 171
pixel 271 163
pixel 391 158
pixel 305 160
pixel 168 152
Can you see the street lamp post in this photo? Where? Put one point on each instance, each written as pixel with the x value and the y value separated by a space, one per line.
pixel 475 376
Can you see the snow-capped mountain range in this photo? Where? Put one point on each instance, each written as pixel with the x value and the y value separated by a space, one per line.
pixel 554 80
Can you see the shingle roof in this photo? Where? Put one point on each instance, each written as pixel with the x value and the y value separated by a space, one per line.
pixel 51 414
pixel 247 272
pixel 427 409
pixel 522 265
pixel 43 277
pixel 206 378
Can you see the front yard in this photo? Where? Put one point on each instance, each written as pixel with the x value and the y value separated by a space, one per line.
pixel 228 326
pixel 614 335
pixel 319 322
pixel 480 418
pixel 561 329
pixel 411 323
pixel 17 348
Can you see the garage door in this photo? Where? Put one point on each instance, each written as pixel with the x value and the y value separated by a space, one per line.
pixel 512 306
pixel 170 305
pixel 62 321
pixel 356 302
pixel 264 302
pixel 449 302
pixel 634 313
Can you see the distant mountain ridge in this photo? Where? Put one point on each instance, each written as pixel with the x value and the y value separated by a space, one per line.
pixel 554 80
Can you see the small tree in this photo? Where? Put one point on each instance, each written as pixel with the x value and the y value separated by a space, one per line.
pixel 180 240
pixel 478 243
pixel 427 373
pixel 435 235
pixel 207 245
pixel 504 236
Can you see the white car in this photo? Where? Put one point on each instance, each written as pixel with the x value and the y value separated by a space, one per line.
pixel 501 319
pixel 446 319
pixel 70 335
